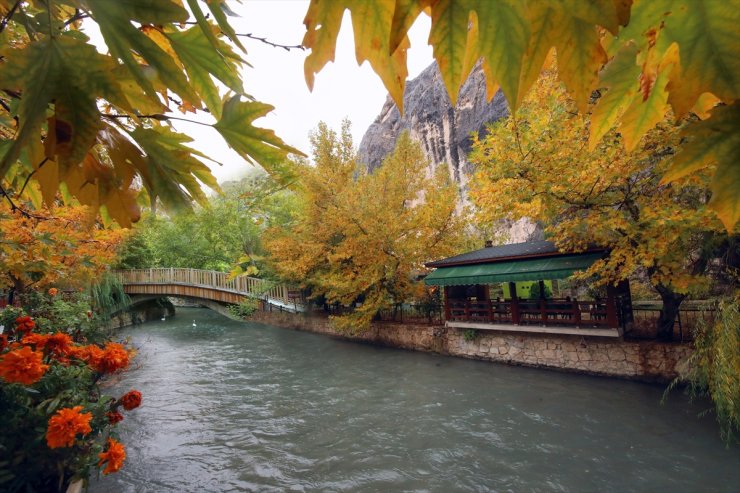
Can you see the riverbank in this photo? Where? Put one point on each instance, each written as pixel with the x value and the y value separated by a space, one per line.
pixel 645 361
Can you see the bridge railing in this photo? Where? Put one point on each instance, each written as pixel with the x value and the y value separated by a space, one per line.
pixel 251 286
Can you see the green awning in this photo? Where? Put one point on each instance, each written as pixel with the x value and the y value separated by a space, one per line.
pixel 535 269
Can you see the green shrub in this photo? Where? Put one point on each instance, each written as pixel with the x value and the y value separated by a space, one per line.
pixel 470 335
pixel 245 308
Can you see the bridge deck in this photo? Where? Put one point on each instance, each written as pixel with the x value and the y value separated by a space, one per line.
pixel 209 285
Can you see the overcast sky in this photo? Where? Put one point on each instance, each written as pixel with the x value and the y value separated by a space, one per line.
pixel 341 90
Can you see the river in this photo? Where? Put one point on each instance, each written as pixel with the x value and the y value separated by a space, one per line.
pixel 236 406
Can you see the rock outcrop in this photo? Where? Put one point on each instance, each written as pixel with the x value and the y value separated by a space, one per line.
pixel 443 131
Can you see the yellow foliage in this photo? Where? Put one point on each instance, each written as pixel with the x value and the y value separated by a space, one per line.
pixel 361 238
pixel 56 246
pixel 538 165
pixel 647 56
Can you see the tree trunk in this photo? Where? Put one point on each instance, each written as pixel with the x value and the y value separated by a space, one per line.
pixel 671 303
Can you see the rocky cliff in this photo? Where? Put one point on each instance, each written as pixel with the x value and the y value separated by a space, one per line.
pixel 443 131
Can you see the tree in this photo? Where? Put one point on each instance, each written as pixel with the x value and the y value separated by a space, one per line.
pixel 612 198
pixel 362 238
pixel 61 247
pixel 97 126
pixel 646 56
pixel 224 234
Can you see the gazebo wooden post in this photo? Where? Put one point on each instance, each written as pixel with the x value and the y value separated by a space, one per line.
pixel 543 303
pixel 611 307
pixel 448 312
pixel 487 296
pixel 514 303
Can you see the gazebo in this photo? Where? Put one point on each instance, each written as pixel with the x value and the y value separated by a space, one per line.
pixel 468 280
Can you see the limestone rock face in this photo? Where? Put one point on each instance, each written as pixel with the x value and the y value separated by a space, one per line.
pixel 443 131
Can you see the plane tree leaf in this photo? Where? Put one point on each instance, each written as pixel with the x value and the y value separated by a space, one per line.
pixel 254 144
pixel 714 142
pixel 503 37
pixel 126 42
pixel 449 38
pixel 218 9
pixel 620 79
pixel 171 167
pixel 195 51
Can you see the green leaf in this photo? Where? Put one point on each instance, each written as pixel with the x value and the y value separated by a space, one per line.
pixel 621 79
pixel 449 38
pixel 71 74
pixel 503 37
pixel 218 8
pixel 34 72
pixel 201 61
pixel 708 37
pixel 715 141
pixel 580 57
pixel 125 41
pixel 254 144
pixel 171 170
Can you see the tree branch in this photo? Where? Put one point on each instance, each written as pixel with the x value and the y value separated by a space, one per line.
pixel 270 43
pixel 10 14
pixel 154 116
pixel 79 15
pixel 28 178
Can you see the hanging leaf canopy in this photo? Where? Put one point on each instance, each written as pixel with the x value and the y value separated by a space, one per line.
pixel 644 57
pixel 97 126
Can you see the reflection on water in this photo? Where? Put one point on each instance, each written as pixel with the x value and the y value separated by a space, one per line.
pixel 232 406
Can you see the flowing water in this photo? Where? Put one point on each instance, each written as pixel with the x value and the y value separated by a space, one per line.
pixel 232 406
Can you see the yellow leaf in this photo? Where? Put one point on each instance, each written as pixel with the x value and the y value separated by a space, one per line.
pixel 641 115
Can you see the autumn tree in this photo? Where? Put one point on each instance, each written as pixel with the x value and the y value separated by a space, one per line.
pixel 361 238
pixel 97 126
pixel 53 247
pixel 645 56
pixel 537 164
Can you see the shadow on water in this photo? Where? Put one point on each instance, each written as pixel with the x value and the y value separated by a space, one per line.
pixel 231 406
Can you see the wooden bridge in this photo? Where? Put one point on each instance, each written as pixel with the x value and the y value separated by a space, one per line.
pixel 208 285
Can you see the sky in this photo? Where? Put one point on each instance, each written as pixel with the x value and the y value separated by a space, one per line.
pixel 341 90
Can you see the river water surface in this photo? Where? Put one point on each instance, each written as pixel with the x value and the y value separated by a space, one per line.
pixel 232 406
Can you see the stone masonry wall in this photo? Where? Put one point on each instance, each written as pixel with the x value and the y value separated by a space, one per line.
pixel 648 361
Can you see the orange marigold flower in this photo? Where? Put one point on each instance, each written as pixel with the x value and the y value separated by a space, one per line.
pixel 37 340
pixel 65 425
pixel 114 417
pixel 113 456
pixel 23 365
pixel 112 358
pixel 53 291
pixel 131 400
pixel 24 324
pixel 89 354
pixel 60 344
pixel 3 341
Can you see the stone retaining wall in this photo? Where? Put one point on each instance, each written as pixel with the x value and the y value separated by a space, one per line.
pixel 648 361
